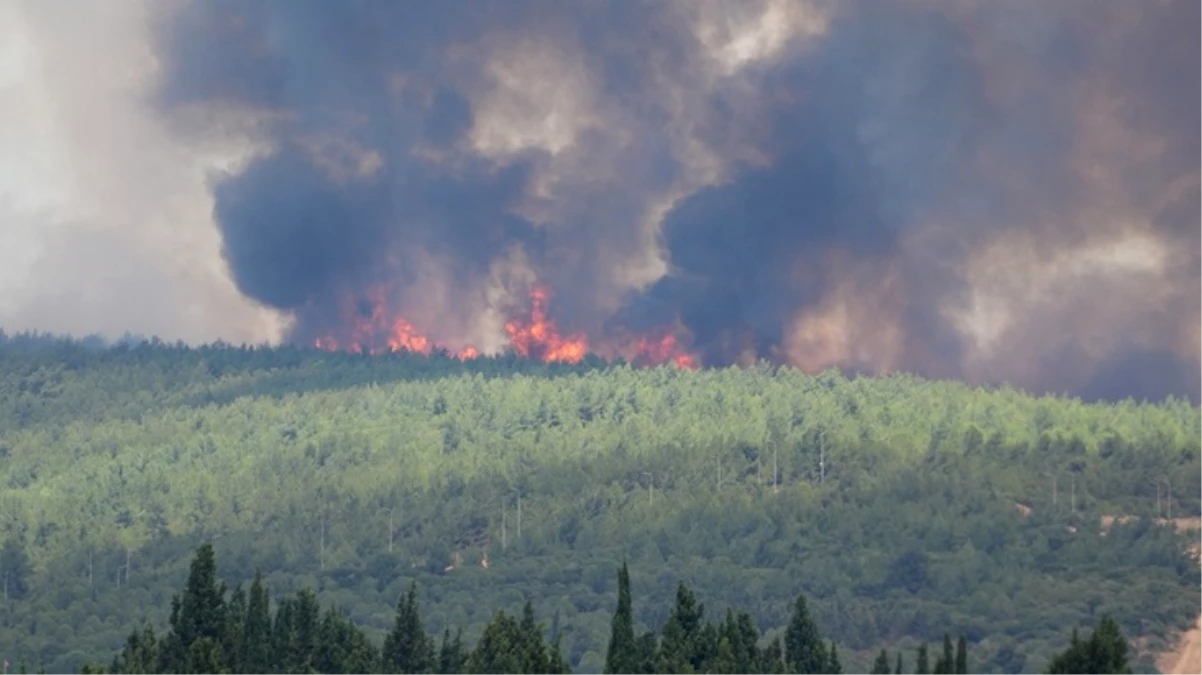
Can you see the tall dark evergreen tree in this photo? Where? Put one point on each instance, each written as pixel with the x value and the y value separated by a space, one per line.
pixel 256 627
pixel 881 665
pixel 681 643
pixel 805 651
pixel 923 666
pixel 962 656
pixel 233 645
pixel 898 669
pixel 1106 651
pixel 451 656
pixel 198 615
pixel 140 655
pixel 621 656
pixel 407 648
pixel 946 661
pixel 499 649
pixel 835 667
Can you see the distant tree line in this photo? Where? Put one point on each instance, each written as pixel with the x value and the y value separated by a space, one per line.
pixel 215 631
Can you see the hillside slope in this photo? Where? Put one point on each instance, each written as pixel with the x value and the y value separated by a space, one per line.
pixel 891 503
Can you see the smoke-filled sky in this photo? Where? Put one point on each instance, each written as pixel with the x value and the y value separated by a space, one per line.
pixel 1002 191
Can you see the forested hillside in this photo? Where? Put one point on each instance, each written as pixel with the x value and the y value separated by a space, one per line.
pixel 903 508
pixel 214 630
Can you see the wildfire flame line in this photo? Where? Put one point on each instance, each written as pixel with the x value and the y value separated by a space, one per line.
pixel 369 328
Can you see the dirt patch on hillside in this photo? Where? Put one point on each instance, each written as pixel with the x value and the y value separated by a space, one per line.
pixel 1187 658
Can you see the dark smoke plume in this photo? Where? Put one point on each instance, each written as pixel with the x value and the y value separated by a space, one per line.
pixel 999 191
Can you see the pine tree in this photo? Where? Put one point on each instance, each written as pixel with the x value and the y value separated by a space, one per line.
pixel 898 669
pixel 923 667
pixel 556 661
pixel 947 660
pixel 140 655
pixel 962 656
pixel 233 642
pixel 451 657
pixel 407 648
pixel 648 653
pixel 805 651
pixel 1106 651
pixel 533 650
pixel 306 622
pixel 834 666
pixel 681 648
pixel 621 656
pixel 198 615
pixel 204 656
pixel 499 648
pixel 881 665
pixel 342 647
pixel 256 642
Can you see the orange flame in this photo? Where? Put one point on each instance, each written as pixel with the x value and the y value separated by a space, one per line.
pixel 539 338
pixel 369 328
pixel 665 349
pixel 373 332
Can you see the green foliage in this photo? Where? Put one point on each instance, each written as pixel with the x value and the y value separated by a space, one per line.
pixel 1106 651
pixel 355 476
pixel 690 644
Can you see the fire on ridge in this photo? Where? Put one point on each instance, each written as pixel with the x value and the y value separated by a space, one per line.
pixel 370 327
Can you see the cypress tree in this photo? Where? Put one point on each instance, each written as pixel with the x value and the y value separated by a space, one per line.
pixel 898 669
pixel 962 656
pixel 621 655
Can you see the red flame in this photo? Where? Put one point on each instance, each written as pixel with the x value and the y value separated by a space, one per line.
pixel 371 330
pixel 665 349
pixel 368 327
pixel 539 338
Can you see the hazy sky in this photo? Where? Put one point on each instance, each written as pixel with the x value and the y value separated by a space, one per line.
pixel 105 216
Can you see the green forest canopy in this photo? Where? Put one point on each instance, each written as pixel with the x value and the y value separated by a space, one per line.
pixel 355 475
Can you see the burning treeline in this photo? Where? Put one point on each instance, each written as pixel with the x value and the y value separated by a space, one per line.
pixel 371 327
pixel 937 187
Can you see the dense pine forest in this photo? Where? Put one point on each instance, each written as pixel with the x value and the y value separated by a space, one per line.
pixel 902 509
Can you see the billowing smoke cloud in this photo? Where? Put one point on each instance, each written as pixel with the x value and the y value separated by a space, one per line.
pixel 104 214
pixel 1003 191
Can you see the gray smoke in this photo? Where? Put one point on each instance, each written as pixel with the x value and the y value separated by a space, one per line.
pixel 1001 191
